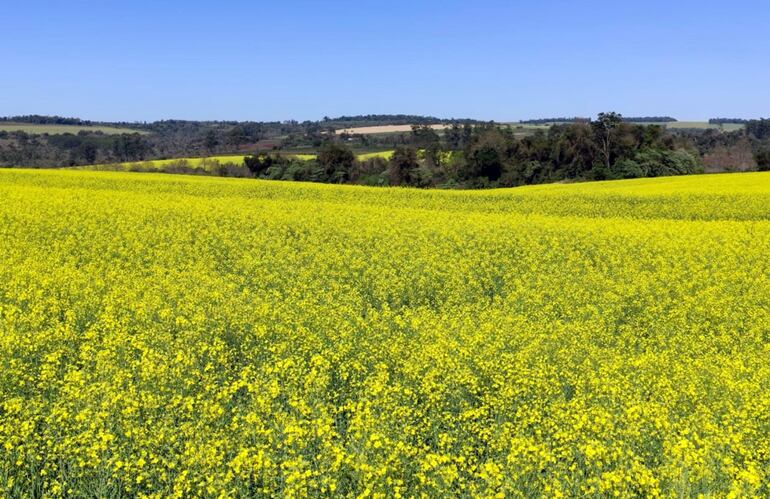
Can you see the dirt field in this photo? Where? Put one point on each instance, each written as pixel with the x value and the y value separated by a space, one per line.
pixel 367 130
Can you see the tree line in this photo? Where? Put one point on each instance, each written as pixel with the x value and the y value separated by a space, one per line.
pixel 726 121
pixel 467 154
pixel 608 147
pixel 83 148
pixel 37 119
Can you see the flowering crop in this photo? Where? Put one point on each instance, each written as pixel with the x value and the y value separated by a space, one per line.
pixel 183 336
pixel 162 165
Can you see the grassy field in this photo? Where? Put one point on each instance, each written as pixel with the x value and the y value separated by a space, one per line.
pixel 727 127
pixel 195 336
pixel 526 126
pixel 32 128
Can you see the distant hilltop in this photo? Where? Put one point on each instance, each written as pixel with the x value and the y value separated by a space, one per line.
pixel 579 119
pixel 326 122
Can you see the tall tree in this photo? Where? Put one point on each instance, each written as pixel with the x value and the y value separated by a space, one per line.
pixel 604 128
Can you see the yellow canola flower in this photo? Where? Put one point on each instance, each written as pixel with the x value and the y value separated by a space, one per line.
pixel 193 336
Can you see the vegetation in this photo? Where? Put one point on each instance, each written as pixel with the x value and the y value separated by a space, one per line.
pixel 188 337
pixel 758 129
pixel 489 155
pixel 45 120
pixel 461 153
pixel 722 121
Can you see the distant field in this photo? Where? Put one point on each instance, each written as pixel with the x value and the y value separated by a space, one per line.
pixel 304 156
pixel 521 129
pixel 161 164
pixel 524 128
pixel 518 128
pixel 361 156
pixel 369 130
pixel 528 126
pixel 372 155
pixel 728 127
pixel 35 129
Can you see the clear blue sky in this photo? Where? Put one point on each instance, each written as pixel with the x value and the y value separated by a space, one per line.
pixel 487 59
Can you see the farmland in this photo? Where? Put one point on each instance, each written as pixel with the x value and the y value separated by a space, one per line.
pixel 194 336
pixel 161 164
pixel 702 125
pixel 379 154
pixel 383 129
pixel 674 125
pixel 520 129
pixel 39 129
pixel 528 129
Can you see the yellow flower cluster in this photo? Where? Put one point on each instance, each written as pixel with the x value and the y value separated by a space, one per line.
pixel 171 336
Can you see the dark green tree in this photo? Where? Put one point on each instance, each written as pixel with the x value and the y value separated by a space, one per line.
pixel 258 163
pixel 336 160
pixel 402 166
pixel 485 158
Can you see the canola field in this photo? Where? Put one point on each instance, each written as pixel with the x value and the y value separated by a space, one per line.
pixel 159 165
pixel 175 336
pixel 205 163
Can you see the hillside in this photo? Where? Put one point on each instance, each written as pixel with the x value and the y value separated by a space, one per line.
pixel 56 129
pixel 183 335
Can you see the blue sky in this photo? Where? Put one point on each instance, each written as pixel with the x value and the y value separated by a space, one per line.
pixel 486 59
